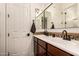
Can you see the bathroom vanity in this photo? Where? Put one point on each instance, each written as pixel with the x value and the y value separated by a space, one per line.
pixel 64 17
pixel 49 46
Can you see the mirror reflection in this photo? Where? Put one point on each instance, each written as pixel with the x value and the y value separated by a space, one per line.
pixel 54 16
pixel 39 21
pixel 59 16
pixel 71 16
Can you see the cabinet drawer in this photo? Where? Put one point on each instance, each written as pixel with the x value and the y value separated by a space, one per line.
pixel 42 43
pixel 56 51
pixel 41 51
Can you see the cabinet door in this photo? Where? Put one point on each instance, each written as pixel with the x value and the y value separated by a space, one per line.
pixel 35 39
pixel 42 43
pixel 41 51
pixel 35 48
pixel 48 54
pixel 56 51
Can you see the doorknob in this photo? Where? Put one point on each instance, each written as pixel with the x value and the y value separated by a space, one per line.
pixel 28 34
pixel 8 15
pixel 8 34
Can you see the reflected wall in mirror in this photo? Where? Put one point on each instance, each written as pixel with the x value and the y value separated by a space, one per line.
pixel 39 21
pixel 59 15
pixel 54 16
pixel 71 15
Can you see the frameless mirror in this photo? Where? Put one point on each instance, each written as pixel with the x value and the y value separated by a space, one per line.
pixel 54 16
pixel 59 15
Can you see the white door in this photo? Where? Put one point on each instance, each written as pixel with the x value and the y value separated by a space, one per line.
pixel 18 25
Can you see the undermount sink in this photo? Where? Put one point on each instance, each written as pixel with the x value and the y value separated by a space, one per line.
pixel 64 42
pixel 75 42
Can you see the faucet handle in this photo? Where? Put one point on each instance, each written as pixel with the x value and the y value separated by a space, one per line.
pixel 72 36
pixel 64 34
pixel 68 37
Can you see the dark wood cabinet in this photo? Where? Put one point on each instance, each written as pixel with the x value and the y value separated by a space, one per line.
pixel 49 54
pixel 41 51
pixel 42 43
pixel 35 48
pixel 39 47
pixel 42 48
pixel 56 51
pixel 35 39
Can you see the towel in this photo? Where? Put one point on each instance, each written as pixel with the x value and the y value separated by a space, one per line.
pixel 33 28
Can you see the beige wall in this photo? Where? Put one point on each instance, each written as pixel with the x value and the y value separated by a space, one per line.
pixel 2 29
pixel 40 6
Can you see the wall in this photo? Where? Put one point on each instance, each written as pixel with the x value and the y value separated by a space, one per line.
pixel 39 6
pixel 2 29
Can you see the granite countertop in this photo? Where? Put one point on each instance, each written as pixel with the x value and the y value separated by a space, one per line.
pixel 71 47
